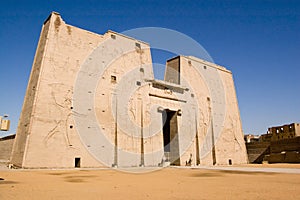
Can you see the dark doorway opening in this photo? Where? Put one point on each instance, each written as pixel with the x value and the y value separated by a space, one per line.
pixel 170 137
pixel 77 162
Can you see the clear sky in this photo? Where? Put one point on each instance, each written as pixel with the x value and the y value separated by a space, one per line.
pixel 259 41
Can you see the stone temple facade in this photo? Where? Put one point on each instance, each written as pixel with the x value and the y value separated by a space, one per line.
pixel 92 101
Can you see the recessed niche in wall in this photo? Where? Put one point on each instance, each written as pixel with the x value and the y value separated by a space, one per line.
pixel 138 45
pixel 113 79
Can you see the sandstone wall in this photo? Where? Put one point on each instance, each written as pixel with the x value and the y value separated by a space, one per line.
pixel 6 145
pixel 92 101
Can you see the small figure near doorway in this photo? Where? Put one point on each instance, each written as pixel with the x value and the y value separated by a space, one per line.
pixel 189 162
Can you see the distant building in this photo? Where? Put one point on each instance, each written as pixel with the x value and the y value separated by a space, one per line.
pixel 265 137
pixel 284 132
pixel 281 144
pixel 251 138
pixel 4 123
pixel 6 144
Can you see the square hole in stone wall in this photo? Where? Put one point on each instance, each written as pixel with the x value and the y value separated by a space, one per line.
pixel 113 79
pixel 77 162
pixel 138 45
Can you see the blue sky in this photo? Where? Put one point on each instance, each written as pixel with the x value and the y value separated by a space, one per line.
pixel 259 41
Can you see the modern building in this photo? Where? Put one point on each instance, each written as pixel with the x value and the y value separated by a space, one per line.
pixel 92 101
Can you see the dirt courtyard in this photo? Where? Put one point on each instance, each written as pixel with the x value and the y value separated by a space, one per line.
pixel 168 183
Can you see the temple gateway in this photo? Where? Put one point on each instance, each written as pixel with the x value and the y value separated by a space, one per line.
pixel 92 101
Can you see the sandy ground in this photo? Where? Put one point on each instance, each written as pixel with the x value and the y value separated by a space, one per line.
pixel 168 183
pixel 275 165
